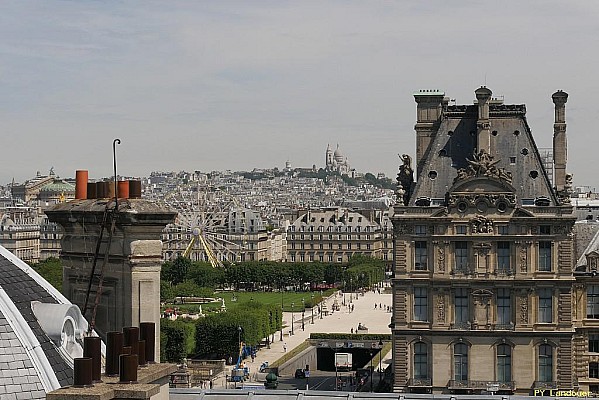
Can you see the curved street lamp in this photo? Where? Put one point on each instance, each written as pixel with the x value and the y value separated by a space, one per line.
pixel 292 319
pixel 312 309
pixel 380 360
pixel 303 313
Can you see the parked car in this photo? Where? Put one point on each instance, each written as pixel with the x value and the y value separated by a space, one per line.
pixel 300 373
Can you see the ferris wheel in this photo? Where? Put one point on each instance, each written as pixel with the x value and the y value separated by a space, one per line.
pixel 206 227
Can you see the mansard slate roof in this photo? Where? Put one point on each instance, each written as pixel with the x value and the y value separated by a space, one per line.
pixel 454 142
pixel 30 362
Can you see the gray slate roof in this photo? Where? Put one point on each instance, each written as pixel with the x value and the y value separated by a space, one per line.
pixel 511 140
pixel 17 374
pixel 22 290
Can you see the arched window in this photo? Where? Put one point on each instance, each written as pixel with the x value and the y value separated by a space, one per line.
pixel 420 360
pixel 460 362
pixel 504 363
pixel 545 363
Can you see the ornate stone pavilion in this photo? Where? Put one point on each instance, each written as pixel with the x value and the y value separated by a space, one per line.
pixel 484 255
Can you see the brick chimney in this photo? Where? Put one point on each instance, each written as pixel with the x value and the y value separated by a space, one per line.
pixel 131 286
pixel 560 140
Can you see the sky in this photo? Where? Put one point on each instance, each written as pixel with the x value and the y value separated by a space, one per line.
pixel 216 85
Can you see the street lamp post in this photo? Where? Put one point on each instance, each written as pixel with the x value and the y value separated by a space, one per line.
pixel 336 373
pixel 270 326
pixel 303 313
pixel 351 296
pixel 312 309
pixel 239 339
pixel 292 319
pixel 371 371
pixel 380 360
pixel 281 338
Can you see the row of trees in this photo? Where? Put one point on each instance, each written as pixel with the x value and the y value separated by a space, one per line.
pixel 218 335
pixel 270 275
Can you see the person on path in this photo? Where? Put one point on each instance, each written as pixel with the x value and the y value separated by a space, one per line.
pixel 352 330
pixel 285 347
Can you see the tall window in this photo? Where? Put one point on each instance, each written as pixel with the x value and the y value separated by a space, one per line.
pixel 594 343
pixel 504 307
pixel 545 256
pixel 503 257
pixel 461 256
pixel 545 363
pixel 420 304
pixel 594 370
pixel 420 256
pixel 460 362
pixel 593 301
pixel 545 305
pixel 504 363
pixel 420 360
pixel 461 306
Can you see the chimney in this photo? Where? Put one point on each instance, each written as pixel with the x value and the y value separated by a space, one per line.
pixel 483 125
pixel 131 259
pixel 560 140
pixel 428 113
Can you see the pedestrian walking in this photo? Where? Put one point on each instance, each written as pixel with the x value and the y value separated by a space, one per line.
pixel 285 347
pixel 375 306
pixel 352 330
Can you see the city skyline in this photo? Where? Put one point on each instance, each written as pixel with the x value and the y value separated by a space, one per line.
pixel 231 85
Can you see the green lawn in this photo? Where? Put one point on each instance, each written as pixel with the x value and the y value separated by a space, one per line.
pixel 287 298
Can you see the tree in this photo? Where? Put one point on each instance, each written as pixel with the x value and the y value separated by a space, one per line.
pixel 51 270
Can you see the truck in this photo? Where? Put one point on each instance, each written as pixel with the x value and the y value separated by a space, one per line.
pixel 343 361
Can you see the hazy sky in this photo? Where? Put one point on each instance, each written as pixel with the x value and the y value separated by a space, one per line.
pixel 213 85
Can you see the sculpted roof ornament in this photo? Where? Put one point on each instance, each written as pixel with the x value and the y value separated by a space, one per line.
pixel 405 179
pixel 483 164
pixel 564 195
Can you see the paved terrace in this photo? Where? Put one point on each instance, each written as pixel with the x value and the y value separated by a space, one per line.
pixel 376 320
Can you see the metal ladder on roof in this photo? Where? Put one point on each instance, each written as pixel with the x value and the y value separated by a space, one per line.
pixel 96 279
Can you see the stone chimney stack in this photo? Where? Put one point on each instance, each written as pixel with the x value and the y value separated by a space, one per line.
pixel 483 95
pixel 429 108
pixel 560 140
pixel 131 286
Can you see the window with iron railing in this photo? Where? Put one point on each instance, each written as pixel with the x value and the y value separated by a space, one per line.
pixel 545 305
pixel 545 256
pixel 420 256
pixel 593 301
pixel 504 363
pixel 420 360
pixel 461 256
pixel 504 307
pixel 461 306
pixel 420 304
pixel 503 257
pixel 545 363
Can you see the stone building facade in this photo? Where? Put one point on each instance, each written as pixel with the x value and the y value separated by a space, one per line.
pixel 484 293
pixel 335 234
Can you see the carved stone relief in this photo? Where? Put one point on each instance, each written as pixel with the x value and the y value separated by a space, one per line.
pixel 523 308
pixel 441 258
pixel 481 224
pixel 440 307
pixel 523 257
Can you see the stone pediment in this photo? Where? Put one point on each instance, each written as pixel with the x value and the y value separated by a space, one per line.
pixel 520 212
pixel 482 184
